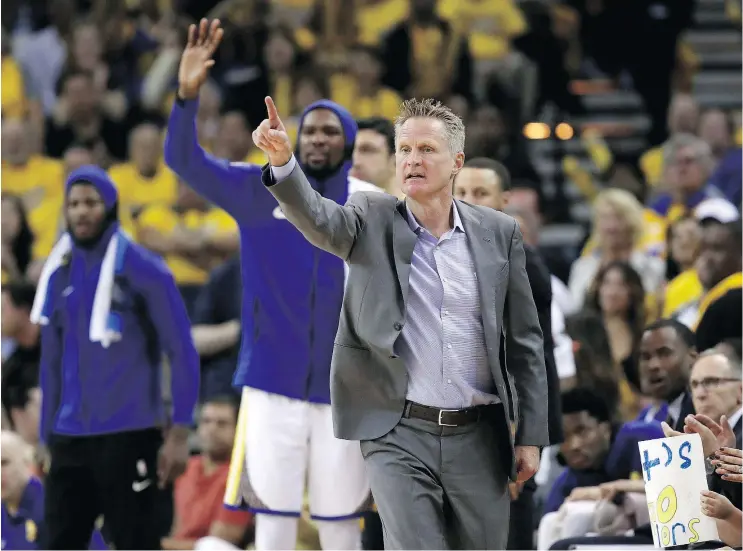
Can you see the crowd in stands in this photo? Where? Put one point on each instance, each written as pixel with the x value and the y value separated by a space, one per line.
pixel 647 319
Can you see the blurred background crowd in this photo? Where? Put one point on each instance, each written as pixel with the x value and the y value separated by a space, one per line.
pixel 618 120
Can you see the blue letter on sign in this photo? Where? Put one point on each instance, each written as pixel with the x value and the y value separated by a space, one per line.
pixel 687 462
pixel 669 452
pixel 647 464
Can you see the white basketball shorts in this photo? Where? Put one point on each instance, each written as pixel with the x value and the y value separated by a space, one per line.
pixel 284 445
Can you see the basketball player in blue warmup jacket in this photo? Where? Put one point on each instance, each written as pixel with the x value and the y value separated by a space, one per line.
pixel 109 310
pixel 292 295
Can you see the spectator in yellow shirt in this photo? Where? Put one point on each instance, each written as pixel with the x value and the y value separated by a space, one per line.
pixel 683 291
pixel 361 90
pixel 17 238
pixel 37 180
pixel 492 25
pixel 192 236
pixel 145 179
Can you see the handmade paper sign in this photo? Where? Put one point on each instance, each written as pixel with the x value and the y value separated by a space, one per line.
pixel 674 474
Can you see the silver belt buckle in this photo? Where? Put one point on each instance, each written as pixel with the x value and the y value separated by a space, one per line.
pixel 441 413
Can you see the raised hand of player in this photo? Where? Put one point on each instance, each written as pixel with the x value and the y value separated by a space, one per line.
pixel 197 57
pixel 272 138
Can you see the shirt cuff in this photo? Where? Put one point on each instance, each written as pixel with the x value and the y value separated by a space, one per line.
pixel 282 172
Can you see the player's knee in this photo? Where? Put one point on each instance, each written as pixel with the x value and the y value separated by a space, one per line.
pixel 339 534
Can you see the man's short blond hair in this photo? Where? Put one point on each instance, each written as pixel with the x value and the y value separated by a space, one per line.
pixel 432 109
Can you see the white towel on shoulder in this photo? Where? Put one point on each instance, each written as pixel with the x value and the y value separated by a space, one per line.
pixel 104 327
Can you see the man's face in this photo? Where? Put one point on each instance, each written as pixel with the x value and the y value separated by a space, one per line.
pixel 12 318
pixel 321 141
pixel 85 212
pixel 586 440
pixel 145 147
pixel 715 390
pixel 665 362
pixel 81 96
pixel 688 171
pixel 718 257
pixel 26 420
pixel 372 160
pixel 217 430
pixel 424 163
pixel 480 186
pixel 15 150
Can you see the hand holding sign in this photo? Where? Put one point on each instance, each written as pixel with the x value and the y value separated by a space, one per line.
pixel 674 475
pixel 716 505
pixel 272 138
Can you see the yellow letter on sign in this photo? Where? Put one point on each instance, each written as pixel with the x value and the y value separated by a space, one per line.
pixel 666 511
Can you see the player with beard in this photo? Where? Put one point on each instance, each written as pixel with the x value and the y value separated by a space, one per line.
pixel 109 310
pixel 292 295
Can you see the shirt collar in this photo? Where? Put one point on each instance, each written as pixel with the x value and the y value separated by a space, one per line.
pixel 415 226
pixel 674 408
pixel 735 417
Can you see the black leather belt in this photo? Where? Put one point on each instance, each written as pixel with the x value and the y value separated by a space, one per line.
pixel 443 417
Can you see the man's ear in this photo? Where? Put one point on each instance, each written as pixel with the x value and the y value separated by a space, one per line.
pixel 458 163
pixel 506 198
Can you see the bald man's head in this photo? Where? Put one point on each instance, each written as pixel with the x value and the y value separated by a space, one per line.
pixel 715 384
pixel 15 466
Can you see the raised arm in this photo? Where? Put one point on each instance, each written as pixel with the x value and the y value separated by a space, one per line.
pixel 231 186
pixel 325 223
pixel 168 314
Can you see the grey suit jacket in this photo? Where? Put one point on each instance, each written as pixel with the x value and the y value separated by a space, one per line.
pixel 371 233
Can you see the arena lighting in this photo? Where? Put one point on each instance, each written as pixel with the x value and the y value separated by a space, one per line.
pixel 564 131
pixel 536 131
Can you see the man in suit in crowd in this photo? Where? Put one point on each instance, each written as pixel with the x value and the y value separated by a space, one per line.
pixel 420 374
pixel 487 183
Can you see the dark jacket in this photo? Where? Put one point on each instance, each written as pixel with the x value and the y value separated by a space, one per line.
pixel 541 288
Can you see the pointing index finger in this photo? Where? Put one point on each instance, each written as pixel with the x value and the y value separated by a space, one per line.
pixel 273 114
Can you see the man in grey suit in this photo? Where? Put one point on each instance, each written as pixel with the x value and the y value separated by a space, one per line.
pixel 438 341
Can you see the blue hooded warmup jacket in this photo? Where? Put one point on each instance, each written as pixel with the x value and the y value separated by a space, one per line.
pixel 292 292
pixel 90 390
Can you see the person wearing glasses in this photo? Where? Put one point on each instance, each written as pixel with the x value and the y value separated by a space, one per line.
pixel 717 391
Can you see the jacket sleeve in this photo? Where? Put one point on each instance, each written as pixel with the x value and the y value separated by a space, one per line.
pixel 525 350
pixel 230 186
pixel 50 375
pixel 168 314
pixel 324 223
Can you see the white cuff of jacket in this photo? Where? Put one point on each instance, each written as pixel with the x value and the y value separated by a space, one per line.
pixel 282 172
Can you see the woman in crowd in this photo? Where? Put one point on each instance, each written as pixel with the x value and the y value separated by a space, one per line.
pixel 619 298
pixel 618 227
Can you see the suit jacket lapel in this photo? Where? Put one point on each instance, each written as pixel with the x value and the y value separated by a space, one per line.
pixel 480 241
pixel 403 239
